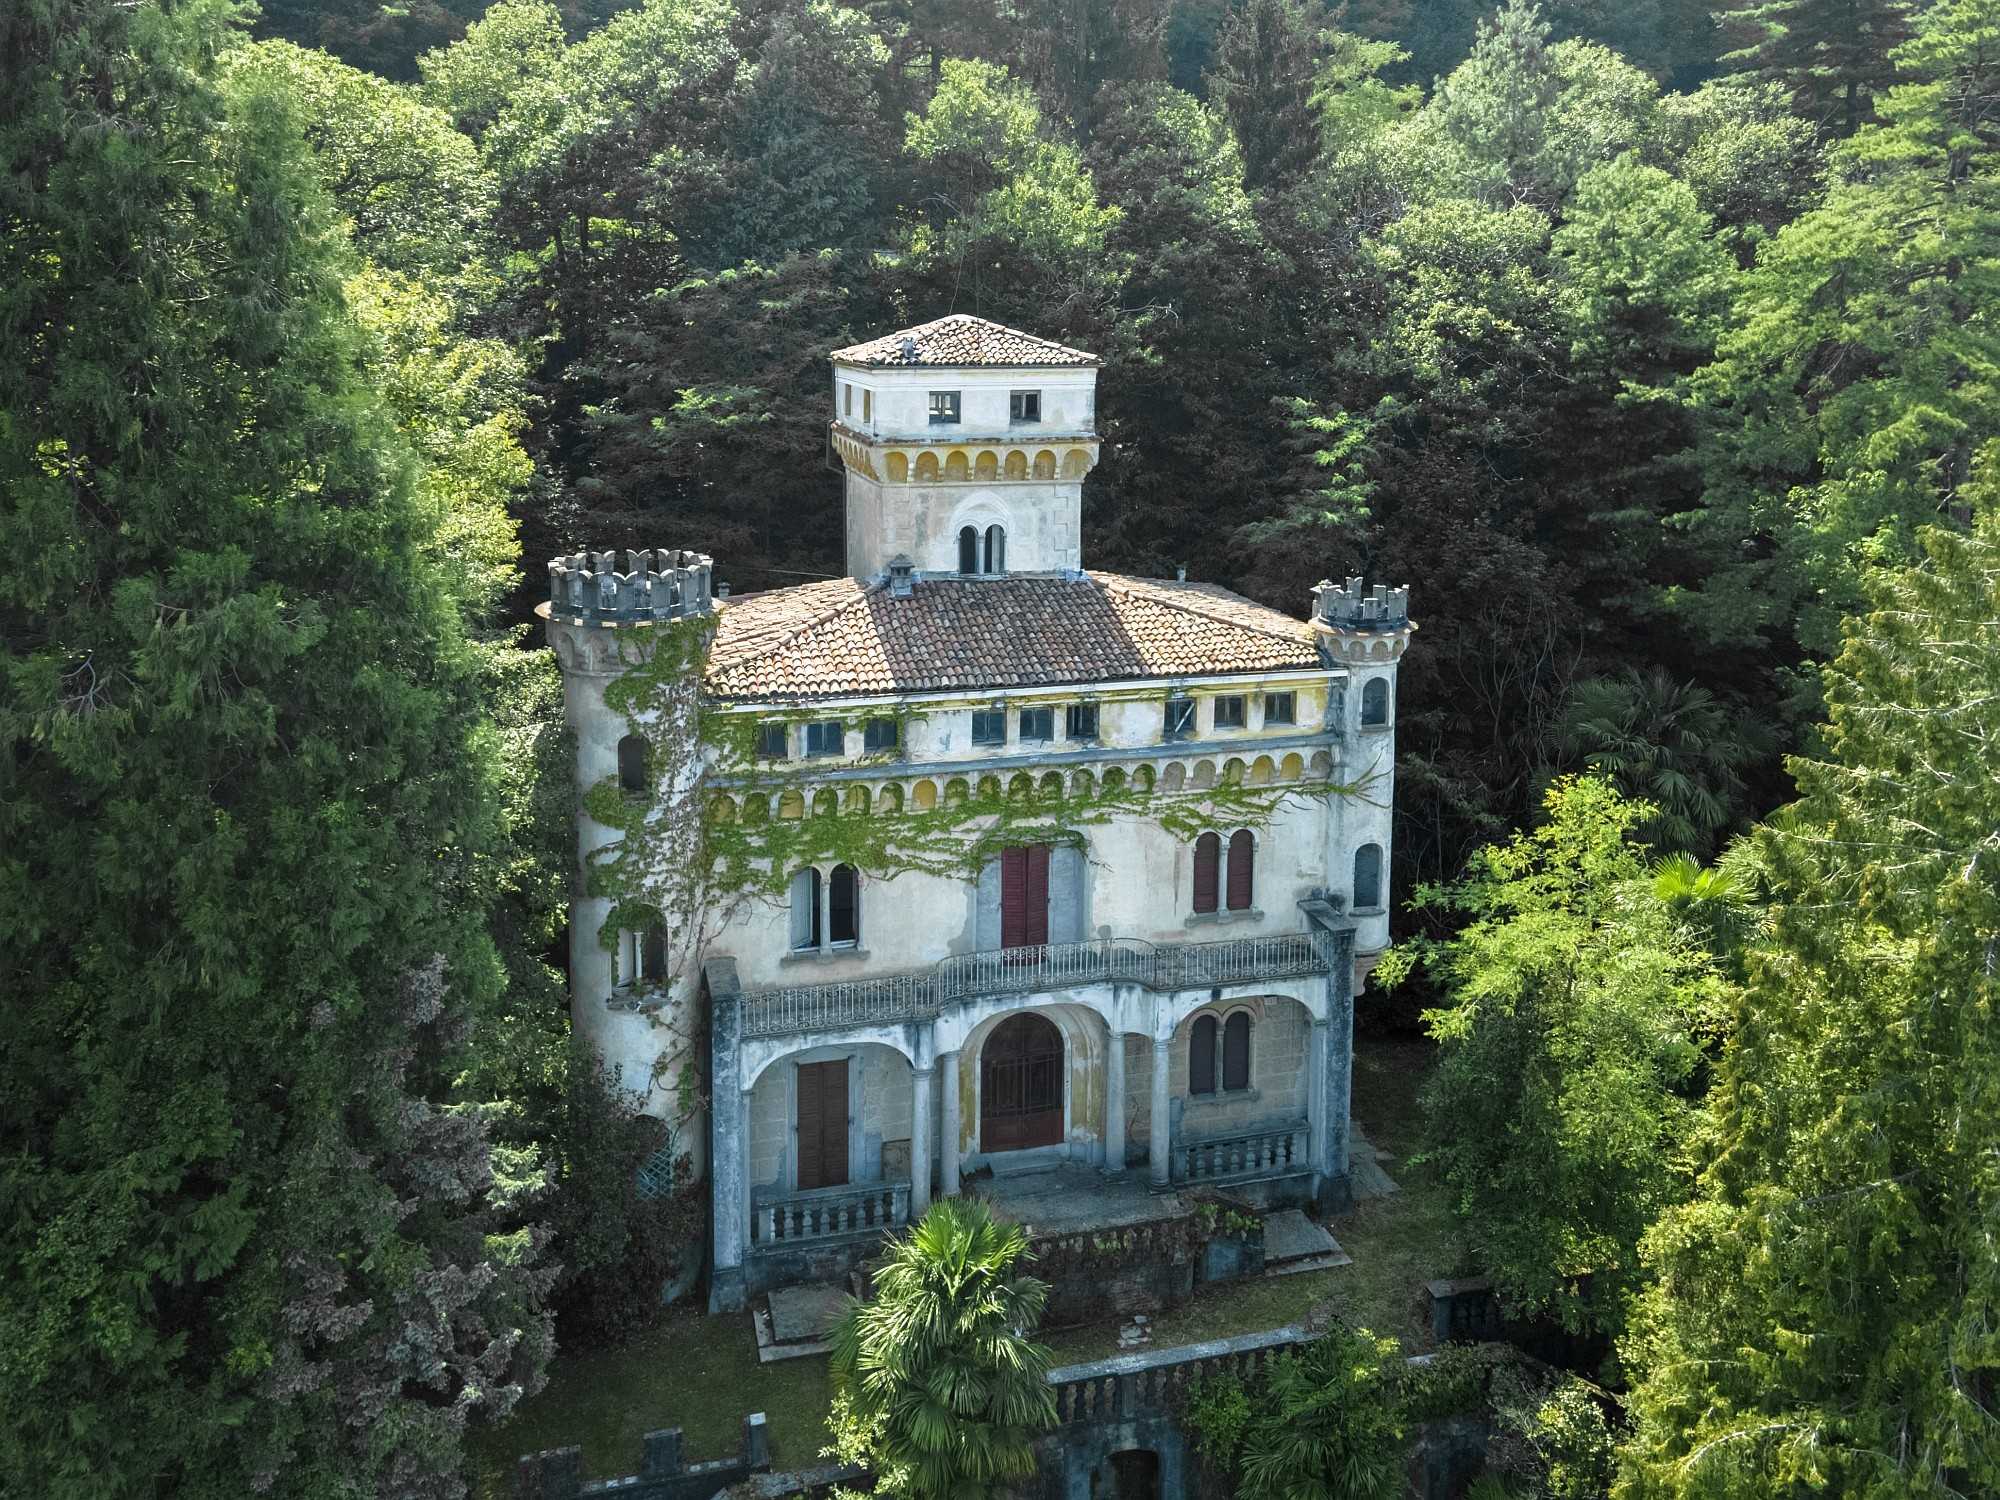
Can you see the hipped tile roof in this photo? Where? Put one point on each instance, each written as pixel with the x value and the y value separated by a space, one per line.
pixel 844 638
pixel 961 340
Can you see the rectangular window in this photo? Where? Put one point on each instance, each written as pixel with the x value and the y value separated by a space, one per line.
pixel 1024 406
pixel 867 405
pixel 1081 721
pixel 1229 712
pixel 880 734
pixel 1279 709
pixel 989 726
pixel 1038 724
pixel 846 399
pixel 828 737
pixel 771 741
pixel 944 408
pixel 1180 718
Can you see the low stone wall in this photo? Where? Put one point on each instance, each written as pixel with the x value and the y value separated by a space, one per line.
pixel 1095 1274
pixel 664 1473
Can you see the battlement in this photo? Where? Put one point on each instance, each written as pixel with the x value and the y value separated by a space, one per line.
pixel 587 588
pixel 1349 606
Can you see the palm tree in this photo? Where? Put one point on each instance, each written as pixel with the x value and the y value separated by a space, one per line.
pixel 938 1373
pixel 1666 742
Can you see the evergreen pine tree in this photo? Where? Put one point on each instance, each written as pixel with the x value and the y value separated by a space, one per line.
pixel 1834 55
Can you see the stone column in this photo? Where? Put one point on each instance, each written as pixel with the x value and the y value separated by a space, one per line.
pixel 948 1085
pixel 920 1141
pixel 728 1138
pixel 1316 1100
pixel 1114 1103
pixel 1159 1149
pixel 1336 1190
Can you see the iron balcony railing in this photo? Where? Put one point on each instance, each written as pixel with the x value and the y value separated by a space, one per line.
pixel 893 999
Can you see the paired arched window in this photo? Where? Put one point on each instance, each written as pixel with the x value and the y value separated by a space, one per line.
pixel 1375 701
pixel 634 760
pixel 979 553
pixel 1367 877
pixel 826 911
pixel 642 955
pixel 1211 888
pixel 1219 1054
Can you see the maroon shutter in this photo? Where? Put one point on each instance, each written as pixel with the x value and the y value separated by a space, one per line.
pixel 1038 893
pixel 1242 857
pixel 1236 1052
pixel 1013 898
pixel 1207 854
pixel 1201 1056
pixel 822 1124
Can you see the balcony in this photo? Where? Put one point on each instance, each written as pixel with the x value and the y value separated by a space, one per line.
pixel 788 1010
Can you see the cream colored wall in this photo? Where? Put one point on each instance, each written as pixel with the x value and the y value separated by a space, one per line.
pixel 882 1094
pixel 921 522
pixel 901 405
pixel 1280 1045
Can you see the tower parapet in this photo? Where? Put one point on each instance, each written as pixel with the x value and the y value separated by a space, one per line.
pixel 1349 606
pixel 587 588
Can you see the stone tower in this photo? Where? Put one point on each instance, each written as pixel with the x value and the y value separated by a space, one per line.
pixel 965 446
pixel 1365 631
pixel 631 644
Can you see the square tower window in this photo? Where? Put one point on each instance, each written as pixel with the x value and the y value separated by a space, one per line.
pixel 867 405
pixel 1229 712
pixel 1280 708
pixel 880 734
pixel 1180 718
pixel 828 737
pixel 944 408
pixel 1038 724
pixel 989 726
pixel 1081 722
pixel 771 741
pixel 846 399
pixel 1024 406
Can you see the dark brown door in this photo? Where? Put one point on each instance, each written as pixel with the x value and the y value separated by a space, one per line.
pixel 822 1124
pixel 1020 1085
pixel 1024 896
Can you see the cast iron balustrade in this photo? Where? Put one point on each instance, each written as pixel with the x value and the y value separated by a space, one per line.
pixel 789 1009
pixel 779 1220
pixel 1273 1152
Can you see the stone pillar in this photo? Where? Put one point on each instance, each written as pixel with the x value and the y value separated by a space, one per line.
pixel 1114 1103
pixel 1336 1188
pixel 920 1141
pixel 948 1085
pixel 1316 1100
pixel 1159 1154
pixel 728 1138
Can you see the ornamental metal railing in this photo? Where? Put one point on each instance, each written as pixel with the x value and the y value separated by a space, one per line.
pixel 893 999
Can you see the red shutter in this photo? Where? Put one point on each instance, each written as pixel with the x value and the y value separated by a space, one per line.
pixel 1038 893
pixel 1024 896
pixel 1207 854
pixel 1242 858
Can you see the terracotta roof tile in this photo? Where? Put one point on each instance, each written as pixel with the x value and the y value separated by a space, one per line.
pixel 843 638
pixel 959 340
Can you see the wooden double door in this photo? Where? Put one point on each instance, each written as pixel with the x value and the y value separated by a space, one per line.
pixel 822 1134
pixel 1021 1085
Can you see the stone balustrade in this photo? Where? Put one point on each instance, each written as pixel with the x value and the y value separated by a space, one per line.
pixel 787 1220
pixel 790 1009
pixel 1245 1156
pixel 1131 1385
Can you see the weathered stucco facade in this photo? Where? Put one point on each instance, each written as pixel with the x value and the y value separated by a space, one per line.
pixel 974 858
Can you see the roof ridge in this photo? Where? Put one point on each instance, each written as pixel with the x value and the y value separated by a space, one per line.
pixel 1166 601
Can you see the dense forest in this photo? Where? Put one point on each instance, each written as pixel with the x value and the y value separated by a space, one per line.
pixel 1655 349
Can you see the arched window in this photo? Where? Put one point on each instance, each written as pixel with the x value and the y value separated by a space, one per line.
pixel 1375 701
pixel 632 767
pixel 653 953
pixel 805 909
pixel 1201 1056
pixel 1367 877
pixel 1242 869
pixel 1236 1052
pixel 1207 855
pixel 996 549
pixel 844 906
pixel 968 549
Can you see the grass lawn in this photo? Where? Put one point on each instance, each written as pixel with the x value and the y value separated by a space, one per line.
pixel 701 1374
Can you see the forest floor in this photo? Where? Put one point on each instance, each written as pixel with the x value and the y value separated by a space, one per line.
pixel 701 1374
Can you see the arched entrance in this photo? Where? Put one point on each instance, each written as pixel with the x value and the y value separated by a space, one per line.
pixel 1021 1085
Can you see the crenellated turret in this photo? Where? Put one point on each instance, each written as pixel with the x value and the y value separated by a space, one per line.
pixel 587 588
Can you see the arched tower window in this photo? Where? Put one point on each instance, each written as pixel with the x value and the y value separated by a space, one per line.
pixel 653 953
pixel 1242 868
pixel 1367 877
pixel 1236 1052
pixel 1201 1056
pixel 805 909
pixel 1207 859
pixel 968 549
pixel 633 758
pixel 844 906
pixel 1375 701
pixel 996 549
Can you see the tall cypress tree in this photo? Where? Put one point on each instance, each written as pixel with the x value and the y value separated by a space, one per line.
pixel 247 1243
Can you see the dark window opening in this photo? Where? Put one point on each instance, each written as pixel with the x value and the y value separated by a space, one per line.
pixel 805 909
pixel 1236 1052
pixel 844 906
pixel 771 741
pixel 1080 723
pixel 847 400
pixel 1180 718
pixel 968 549
pixel 1201 1056
pixel 1229 712
pixel 1279 708
pixel 653 953
pixel 989 726
pixel 1242 862
pixel 1367 877
pixel 1375 702
pixel 880 734
pixel 944 408
pixel 1207 856
pixel 1038 724
pixel 828 737
pixel 633 764
pixel 996 550
pixel 1024 406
